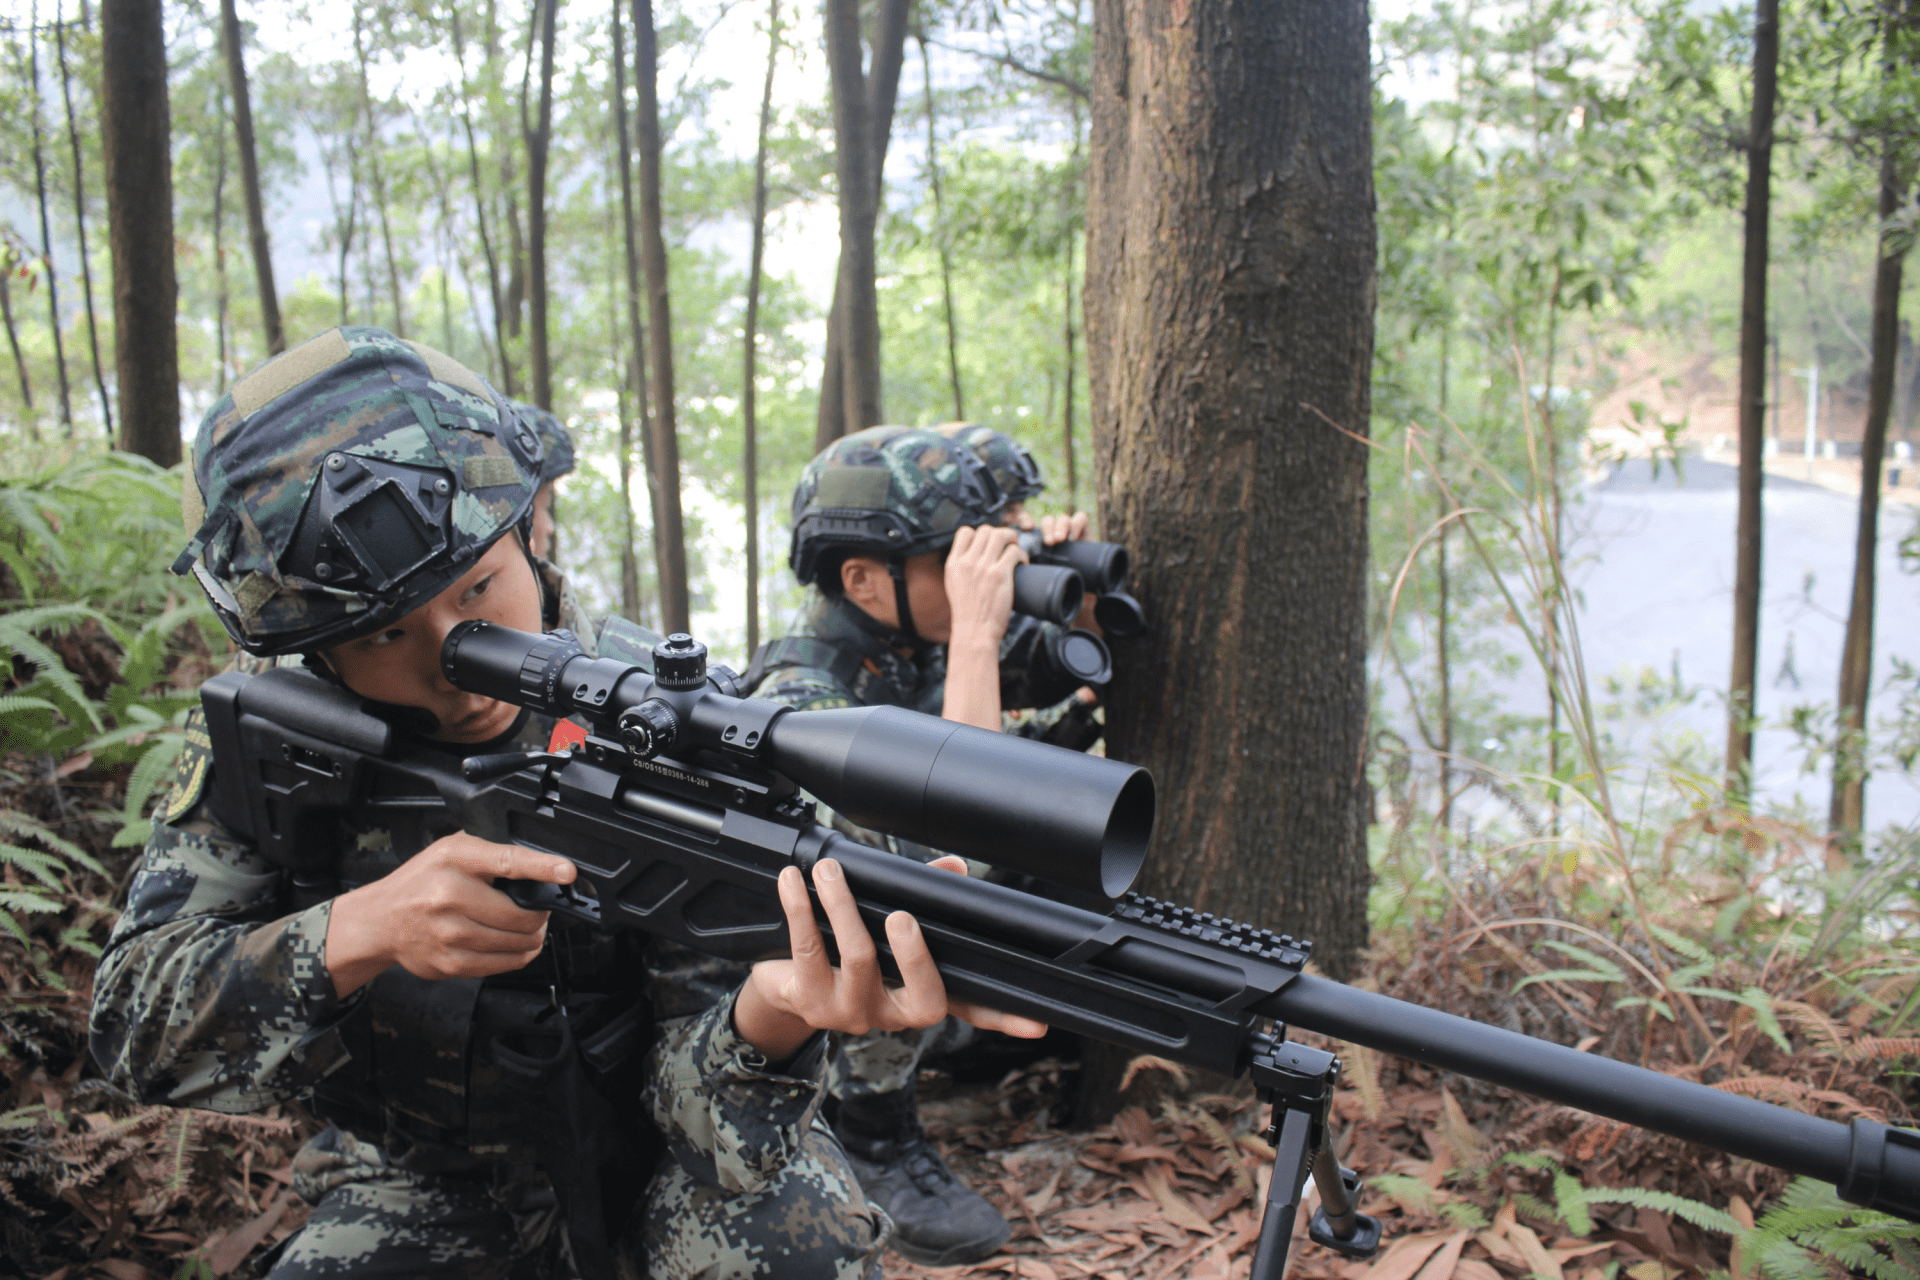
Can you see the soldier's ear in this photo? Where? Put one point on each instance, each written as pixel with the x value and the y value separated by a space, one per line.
pixel 866 584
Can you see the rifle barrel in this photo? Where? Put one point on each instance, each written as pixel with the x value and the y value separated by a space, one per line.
pixel 1741 1126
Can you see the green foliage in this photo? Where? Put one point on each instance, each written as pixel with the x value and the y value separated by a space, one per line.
pixel 1811 1229
pixel 85 545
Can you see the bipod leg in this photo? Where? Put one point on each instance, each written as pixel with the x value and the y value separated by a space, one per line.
pixel 1292 1155
pixel 1299 1082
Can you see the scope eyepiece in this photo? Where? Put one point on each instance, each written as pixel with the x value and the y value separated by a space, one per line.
pixel 500 663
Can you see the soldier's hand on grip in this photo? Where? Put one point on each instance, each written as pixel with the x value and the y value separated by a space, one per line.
pixel 437 915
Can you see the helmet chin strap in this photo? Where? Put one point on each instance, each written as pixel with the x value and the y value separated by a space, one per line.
pixel 549 606
pixel 898 572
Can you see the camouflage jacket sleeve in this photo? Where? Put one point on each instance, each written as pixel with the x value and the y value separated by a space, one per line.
pixel 207 996
pixel 731 1121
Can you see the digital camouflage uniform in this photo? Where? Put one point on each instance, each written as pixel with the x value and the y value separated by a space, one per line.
pixel 213 991
pixel 835 655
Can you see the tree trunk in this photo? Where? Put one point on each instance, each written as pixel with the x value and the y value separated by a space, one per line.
pixel 13 342
pixel 134 124
pixel 669 535
pixel 1229 305
pixel 1753 402
pixel 859 320
pixel 223 292
pixel 80 222
pixel 250 176
pixel 637 352
pixel 1856 659
pixel 480 208
pixel 946 256
pixel 379 185
pixel 749 454
pixel 46 225
pixel 538 141
pixel 889 47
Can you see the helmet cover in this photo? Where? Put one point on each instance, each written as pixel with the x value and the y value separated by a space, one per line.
pixel 888 492
pixel 1013 468
pixel 346 482
pixel 557 445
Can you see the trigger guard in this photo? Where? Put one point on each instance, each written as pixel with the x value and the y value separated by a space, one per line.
pixel 538 895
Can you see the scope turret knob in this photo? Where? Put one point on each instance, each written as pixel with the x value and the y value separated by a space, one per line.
pixel 680 662
pixel 649 728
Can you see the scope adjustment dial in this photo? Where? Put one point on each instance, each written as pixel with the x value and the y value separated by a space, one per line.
pixel 649 728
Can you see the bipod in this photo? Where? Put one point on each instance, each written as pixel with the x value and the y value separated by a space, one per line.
pixel 1298 1081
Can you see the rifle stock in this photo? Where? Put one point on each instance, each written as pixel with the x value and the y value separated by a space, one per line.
pixel 687 843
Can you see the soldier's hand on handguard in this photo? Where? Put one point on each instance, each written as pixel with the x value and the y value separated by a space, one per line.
pixel 438 915
pixel 786 1001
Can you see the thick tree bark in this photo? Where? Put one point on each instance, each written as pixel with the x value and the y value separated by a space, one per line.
pixel 250 177
pixel 134 124
pixel 1753 401
pixel 1848 807
pixel 80 222
pixel 46 225
pixel 749 453
pixel 538 142
pixel 637 352
pixel 1229 306
pixel 669 534
pixel 879 92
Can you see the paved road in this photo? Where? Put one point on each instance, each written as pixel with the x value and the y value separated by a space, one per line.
pixel 1654 560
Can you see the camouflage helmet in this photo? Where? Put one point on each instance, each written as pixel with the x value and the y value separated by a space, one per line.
pixel 890 493
pixel 1013 468
pixel 558 459
pixel 344 483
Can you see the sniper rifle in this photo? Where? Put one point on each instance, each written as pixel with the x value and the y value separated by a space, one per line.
pixel 684 803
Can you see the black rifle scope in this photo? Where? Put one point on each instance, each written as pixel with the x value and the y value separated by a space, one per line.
pixel 1021 805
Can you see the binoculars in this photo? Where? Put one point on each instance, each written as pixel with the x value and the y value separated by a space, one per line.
pixel 1053 587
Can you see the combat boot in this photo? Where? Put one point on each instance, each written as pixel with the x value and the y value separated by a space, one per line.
pixel 938 1221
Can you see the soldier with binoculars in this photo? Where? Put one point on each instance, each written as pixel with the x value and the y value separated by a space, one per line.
pixel 938 592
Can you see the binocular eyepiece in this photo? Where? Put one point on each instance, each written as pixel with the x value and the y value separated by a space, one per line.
pixel 1102 566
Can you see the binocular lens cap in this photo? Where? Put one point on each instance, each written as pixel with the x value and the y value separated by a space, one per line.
pixel 1085 658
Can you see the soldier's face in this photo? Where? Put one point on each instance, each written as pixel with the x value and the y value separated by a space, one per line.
pixel 401 665
pixel 868 585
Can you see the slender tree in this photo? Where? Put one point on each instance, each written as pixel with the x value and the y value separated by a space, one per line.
pixel 539 139
pixel 749 460
pixel 946 254
pixel 494 294
pixel 223 297
pixel 1229 306
pixel 1897 139
pixel 377 178
pixel 135 126
pixel 46 225
pixel 859 319
pixel 231 38
pixel 636 364
pixel 80 219
pixel 881 91
pixel 669 535
pixel 1753 398
pixel 9 263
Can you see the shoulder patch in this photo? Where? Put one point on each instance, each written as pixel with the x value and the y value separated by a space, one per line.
pixel 190 770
